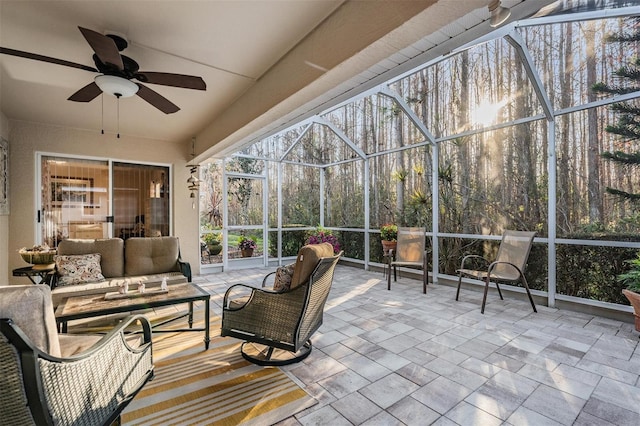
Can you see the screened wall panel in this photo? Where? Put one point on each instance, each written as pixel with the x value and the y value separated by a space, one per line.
pixel 344 195
pixel 245 205
pixel 585 177
pixel 375 123
pixel 400 188
pixel 473 89
pixel 494 181
pixel 576 55
pixel 300 195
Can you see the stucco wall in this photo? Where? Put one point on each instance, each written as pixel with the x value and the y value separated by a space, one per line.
pixel 4 220
pixel 26 139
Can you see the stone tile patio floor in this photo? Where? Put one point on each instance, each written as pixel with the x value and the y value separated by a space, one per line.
pixel 400 357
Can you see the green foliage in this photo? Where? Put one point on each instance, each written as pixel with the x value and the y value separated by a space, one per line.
pixel 628 125
pixel 291 242
pixel 591 272
pixel 631 278
pixel 212 238
pixel 389 232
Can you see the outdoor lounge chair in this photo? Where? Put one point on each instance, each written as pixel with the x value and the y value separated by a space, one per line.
pixel 409 253
pixel 56 379
pixel 509 265
pixel 277 325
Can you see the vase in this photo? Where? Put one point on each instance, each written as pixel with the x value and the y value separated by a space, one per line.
pixel 214 249
pixel 388 245
pixel 634 299
pixel 247 252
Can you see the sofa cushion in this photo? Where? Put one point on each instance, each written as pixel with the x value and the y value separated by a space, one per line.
pixel 144 256
pixel 111 253
pixel 78 268
pixel 307 260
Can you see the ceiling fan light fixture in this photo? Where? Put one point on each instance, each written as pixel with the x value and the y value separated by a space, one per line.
pixel 116 86
pixel 499 14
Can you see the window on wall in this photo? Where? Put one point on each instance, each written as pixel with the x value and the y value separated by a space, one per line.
pixel 76 201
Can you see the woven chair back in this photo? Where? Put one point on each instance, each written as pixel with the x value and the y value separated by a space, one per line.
pixel 318 292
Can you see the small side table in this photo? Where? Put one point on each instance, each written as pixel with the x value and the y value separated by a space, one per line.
pixel 34 271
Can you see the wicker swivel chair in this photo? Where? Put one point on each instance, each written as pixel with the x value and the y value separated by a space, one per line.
pixel 410 253
pixel 55 379
pixel 508 266
pixel 277 325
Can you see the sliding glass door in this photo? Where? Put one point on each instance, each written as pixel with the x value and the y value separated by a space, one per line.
pixel 86 198
pixel 140 200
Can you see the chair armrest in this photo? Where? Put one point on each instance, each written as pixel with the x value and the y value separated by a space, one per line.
pixel 104 378
pixel 472 256
pixel 264 280
pixel 185 268
pixel 493 265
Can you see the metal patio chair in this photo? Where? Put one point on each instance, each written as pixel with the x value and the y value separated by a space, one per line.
pixel 509 265
pixel 409 253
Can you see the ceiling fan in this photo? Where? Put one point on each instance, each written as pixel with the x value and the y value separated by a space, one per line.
pixel 117 72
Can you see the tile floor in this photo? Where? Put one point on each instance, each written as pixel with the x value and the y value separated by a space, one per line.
pixel 400 357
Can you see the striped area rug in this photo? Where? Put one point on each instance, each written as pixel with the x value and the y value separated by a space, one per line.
pixel 214 387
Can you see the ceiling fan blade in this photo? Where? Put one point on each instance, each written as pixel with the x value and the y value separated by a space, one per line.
pixel 86 94
pixel 157 100
pixel 169 79
pixel 43 58
pixel 104 47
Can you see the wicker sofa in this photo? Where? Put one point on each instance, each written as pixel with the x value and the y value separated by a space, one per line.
pixel 147 260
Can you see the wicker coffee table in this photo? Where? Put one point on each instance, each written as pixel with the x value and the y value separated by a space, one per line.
pixel 82 307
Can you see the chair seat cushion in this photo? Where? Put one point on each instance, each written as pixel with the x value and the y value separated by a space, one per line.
pixel 72 344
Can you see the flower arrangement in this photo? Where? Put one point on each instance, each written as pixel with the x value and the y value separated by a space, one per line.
pixel 389 232
pixel 212 238
pixel 322 235
pixel 247 244
pixel 38 254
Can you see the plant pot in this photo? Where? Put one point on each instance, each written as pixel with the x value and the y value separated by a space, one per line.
pixel 388 245
pixel 214 249
pixel 247 252
pixel 634 299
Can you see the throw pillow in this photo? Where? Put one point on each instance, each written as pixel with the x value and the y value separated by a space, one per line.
pixel 283 277
pixel 77 269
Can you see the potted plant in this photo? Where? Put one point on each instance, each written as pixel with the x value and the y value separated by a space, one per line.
pixel 389 236
pixel 213 242
pixel 321 235
pixel 247 246
pixel 632 280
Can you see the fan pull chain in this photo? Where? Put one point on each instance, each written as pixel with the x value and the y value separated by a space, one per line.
pixel 102 125
pixel 118 98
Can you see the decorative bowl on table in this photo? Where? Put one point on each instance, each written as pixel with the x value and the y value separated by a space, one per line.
pixel 37 255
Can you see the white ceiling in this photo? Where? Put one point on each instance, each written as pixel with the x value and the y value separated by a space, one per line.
pixel 230 44
pixel 265 62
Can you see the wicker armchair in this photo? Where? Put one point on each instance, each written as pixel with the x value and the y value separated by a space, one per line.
pixel 276 325
pixel 55 379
